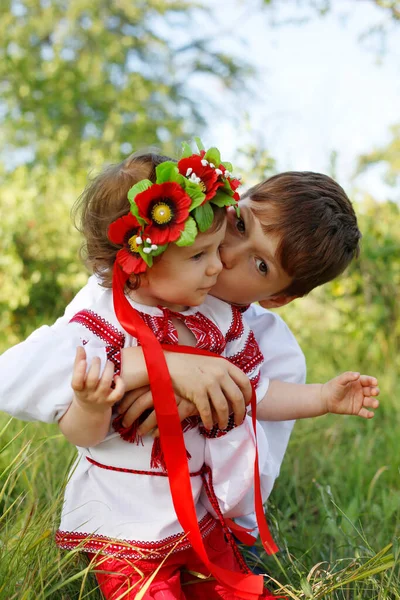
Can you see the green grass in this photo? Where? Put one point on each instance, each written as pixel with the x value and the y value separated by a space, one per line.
pixel 334 511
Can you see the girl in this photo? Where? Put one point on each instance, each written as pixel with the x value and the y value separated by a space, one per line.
pixel 168 256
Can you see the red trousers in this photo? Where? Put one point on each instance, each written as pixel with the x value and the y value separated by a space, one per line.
pixel 121 578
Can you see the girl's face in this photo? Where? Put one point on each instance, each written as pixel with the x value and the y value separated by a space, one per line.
pixel 183 276
pixel 251 270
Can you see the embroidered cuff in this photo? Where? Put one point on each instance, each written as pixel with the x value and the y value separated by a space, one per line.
pixel 216 432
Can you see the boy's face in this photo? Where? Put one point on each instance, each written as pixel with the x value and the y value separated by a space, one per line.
pixel 251 271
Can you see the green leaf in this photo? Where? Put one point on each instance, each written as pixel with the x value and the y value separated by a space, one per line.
pixel 135 212
pixel 204 216
pixel 138 188
pixel 213 156
pixel 189 234
pixel 194 191
pixel 148 258
pixel 186 150
pixel 228 166
pixel 199 143
pixel 167 171
pixel 159 250
pixel 221 199
pixel 226 189
pixel 306 588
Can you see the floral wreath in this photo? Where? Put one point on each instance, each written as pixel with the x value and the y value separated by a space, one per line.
pixel 173 209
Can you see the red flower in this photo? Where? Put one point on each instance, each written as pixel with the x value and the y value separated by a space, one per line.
pixel 165 206
pixel 234 183
pixel 124 232
pixel 210 181
pixel 236 197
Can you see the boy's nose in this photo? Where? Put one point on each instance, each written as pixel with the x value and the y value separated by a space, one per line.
pixel 228 257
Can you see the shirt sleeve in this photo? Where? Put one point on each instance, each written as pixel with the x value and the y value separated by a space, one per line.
pixel 31 370
pixel 283 360
pixel 231 461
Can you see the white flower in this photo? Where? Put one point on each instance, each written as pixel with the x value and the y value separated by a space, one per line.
pixel 194 178
pixel 147 250
pixel 148 240
pixel 212 165
pixel 204 162
pixel 218 171
pixel 154 247
pixel 189 171
pixel 139 240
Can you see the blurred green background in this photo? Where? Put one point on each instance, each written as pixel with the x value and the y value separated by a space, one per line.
pixel 85 83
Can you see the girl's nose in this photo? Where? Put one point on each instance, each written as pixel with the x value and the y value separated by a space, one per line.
pixel 215 267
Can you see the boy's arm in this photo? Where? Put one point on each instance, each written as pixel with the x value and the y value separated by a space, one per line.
pixel 349 394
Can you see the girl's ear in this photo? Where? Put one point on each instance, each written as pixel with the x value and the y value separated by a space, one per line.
pixel 276 301
pixel 137 281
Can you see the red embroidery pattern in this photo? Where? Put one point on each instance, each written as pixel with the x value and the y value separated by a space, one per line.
pixel 100 327
pixel 255 380
pixel 114 339
pixel 91 542
pixel 137 471
pixel 250 357
pixel 207 334
pixel 243 307
pixel 216 432
pixel 114 355
pixel 236 328
pixel 162 327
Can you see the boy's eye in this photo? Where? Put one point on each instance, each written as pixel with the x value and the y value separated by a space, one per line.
pixel 240 226
pixel 197 256
pixel 261 266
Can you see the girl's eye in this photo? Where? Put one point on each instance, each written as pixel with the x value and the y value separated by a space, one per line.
pixel 197 256
pixel 261 266
pixel 240 226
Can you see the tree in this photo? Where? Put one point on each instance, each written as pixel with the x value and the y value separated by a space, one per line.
pixel 82 80
pixel 84 83
pixel 388 156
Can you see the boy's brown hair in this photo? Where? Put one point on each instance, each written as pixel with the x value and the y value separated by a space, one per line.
pixel 316 222
pixel 104 200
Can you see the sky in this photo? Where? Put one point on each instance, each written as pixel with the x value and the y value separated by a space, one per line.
pixel 318 87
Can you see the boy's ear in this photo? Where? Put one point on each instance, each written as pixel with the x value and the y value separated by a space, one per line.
pixel 276 301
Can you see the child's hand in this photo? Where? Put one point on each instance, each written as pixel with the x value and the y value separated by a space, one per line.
pixel 351 394
pixel 92 392
pixel 136 402
pixel 214 385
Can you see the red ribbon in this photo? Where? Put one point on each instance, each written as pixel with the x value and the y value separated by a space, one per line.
pixel 265 535
pixel 246 586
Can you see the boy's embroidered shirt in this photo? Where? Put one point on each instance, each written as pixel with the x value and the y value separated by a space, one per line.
pixel 119 503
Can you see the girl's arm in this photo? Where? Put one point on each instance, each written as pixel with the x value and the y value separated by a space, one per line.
pixel 32 370
pixel 349 394
pixel 87 420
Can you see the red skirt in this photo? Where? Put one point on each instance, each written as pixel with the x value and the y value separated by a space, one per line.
pixel 179 577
